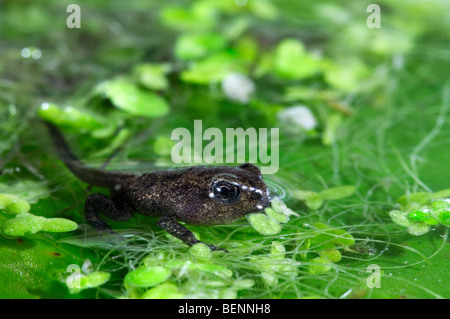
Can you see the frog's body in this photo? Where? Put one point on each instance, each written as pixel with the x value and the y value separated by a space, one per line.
pixel 196 195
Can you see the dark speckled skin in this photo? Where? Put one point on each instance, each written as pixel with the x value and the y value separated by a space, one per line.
pixel 174 195
pixel 185 193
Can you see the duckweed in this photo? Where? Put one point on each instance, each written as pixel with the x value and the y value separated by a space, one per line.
pixel 420 211
pixel 147 276
pixel 12 204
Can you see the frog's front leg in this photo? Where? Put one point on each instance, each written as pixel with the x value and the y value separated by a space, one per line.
pixel 116 208
pixel 170 225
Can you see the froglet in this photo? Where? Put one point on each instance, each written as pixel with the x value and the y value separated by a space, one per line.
pixel 195 195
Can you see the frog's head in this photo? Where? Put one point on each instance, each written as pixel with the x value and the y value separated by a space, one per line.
pixel 221 195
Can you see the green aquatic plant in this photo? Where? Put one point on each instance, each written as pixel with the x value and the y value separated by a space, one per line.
pixel 269 222
pixel 327 242
pixel 13 204
pixel 420 211
pixel 364 91
pixel 84 278
pixel 25 223
pixel 315 200
pixel 129 97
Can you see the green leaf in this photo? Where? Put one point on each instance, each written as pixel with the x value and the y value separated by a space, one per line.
pixel 69 117
pixel 319 265
pixel 338 236
pixel 400 218
pixel 291 61
pixel 58 225
pixel 345 76
pixel 27 190
pixel 332 254
pixel 314 201
pixel 213 68
pixel 303 195
pixel 198 17
pixel 423 215
pixel 127 96
pixel 12 204
pixel 263 224
pixel 277 250
pixel 147 276
pixel 441 194
pixel 337 192
pixel 419 228
pixel 200 251
pixel 195 46
pixel 152 76
pixel 216 269
pixel 91 280
pixel 279 217
pixel 22 224
pixel 420 198
pixel 163 291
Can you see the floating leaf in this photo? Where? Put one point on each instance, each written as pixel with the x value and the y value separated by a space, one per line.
pixel 263 224
pixel 239 284
pixel 314 201
pixel 58 225
pixel 419 228
pixel 345 76
pixel 444 218
pixel 291 61
pixel 195 46
pixel 147 276
pixel 442 194
pixel 91 280
pixel 332 254
pixel 127 96
pixel 218 270
pixel 152 76
pixel 337 192
pixel 163 291
pixel 69 117
pixel 319 265
pixel 421 198
pixel 22 224
pixel 213 68
pixel 400 218
pixel 12 204
pixel 423 216
pixel 198 17
pixel 279 217
pixel 27 224
pixel 277 250
pixel 340 236
pixel 200 251
pixel 27 190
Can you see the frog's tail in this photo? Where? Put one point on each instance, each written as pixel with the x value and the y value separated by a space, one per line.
pixel 89 175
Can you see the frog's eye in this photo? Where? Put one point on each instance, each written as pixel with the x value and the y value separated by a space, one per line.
pixel 225 192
